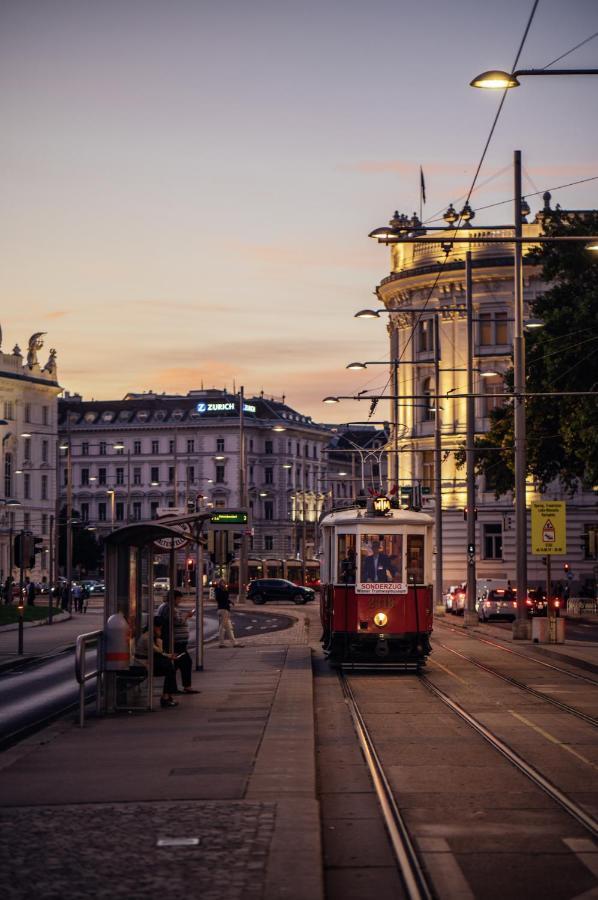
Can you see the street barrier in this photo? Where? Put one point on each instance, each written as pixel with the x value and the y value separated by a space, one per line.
pixel 90 639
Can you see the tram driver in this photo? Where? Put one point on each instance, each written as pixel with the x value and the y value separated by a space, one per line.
pixel 377 566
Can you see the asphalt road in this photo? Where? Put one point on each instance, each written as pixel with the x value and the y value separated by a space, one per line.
pixel 33 696
pixel 575 629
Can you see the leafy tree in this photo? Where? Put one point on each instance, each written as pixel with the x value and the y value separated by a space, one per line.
pixel 562 437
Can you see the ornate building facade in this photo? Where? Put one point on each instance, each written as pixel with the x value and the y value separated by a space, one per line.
pixel 28 410
pixel 424 278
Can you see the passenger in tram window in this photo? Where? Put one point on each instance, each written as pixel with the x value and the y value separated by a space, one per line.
pixel 377 566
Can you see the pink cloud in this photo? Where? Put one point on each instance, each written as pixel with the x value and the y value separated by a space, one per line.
pixel 57 314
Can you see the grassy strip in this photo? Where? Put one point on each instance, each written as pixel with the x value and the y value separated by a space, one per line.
pixel 9 614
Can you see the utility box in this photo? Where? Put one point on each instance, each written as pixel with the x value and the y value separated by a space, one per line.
pixel 540 630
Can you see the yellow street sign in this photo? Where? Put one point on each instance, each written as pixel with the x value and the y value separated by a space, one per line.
pixel 549 527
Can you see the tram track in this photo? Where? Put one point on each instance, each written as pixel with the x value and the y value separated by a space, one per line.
pixel 408 859
pixel 565 707
pixel 412 874
pixel 499 646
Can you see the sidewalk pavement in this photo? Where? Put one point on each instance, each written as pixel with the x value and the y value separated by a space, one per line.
pixel 216 798
pixel 583 655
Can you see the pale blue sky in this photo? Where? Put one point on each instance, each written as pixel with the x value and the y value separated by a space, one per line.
pixel 188 186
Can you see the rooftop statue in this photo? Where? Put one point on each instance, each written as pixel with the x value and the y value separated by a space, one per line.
pixel 51 364
pixel 35 344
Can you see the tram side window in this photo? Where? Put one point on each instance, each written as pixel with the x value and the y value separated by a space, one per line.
pixel 381 558
pixel 346 556
pixel 415 558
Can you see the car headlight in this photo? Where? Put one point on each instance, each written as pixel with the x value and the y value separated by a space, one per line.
pixel 380 619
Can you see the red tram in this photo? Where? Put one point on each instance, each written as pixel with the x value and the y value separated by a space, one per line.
pixel 376 596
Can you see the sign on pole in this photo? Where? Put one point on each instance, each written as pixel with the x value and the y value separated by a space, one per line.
pixel 549 528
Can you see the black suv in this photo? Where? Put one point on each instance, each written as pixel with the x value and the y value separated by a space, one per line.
pixel 264 589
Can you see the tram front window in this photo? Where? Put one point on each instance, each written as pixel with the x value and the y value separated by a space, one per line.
pixel 380 558
pixel 346 558
pixel 415 558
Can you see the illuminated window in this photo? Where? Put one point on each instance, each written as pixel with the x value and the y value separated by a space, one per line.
pixel 428 469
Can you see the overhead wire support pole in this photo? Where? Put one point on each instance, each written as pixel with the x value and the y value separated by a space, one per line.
pixel 521 625
pixel 438 567
pixel 244 549
pixel 470 616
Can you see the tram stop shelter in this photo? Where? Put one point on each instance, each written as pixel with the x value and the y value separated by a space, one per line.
pixel 130 604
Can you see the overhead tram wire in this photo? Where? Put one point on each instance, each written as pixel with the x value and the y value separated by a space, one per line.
pixel 577 46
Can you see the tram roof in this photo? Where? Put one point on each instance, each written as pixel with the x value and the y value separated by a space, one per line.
pixel 357 516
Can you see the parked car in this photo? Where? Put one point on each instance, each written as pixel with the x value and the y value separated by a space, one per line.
pixel 536 602
pixel 497 603
pixel 162 584
pixel 262 590
pixel 454 600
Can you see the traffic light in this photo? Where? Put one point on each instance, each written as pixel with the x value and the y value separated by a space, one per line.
pixel 566 568
pixel 475 514
pixel 25 548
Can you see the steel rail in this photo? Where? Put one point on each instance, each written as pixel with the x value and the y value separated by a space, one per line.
pixel 569 805
pixel 572 710
pixel 410 869
pixel 540 662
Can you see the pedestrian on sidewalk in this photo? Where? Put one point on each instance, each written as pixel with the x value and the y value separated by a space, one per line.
pixel 225 626
pixel 163 662
pixel 8 591
pixel 78 598
pixel 30 592
pixel 178 646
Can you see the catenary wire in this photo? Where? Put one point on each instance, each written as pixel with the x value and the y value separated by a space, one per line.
pixel 577 46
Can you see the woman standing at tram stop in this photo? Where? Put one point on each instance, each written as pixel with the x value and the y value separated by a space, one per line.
pixel 182 660
pixel 225 626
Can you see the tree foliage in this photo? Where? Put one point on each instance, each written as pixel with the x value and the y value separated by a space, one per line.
pixel 562 433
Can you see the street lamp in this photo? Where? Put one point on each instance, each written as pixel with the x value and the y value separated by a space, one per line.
pixel 497 80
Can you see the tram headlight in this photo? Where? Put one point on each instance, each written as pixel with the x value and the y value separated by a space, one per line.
pixel 380 619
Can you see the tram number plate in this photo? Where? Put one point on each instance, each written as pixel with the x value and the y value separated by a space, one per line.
pixel 382 603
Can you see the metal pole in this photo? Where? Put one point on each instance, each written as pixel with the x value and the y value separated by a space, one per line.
pixel 244 549
pixel 469 615
pixel 69 523
pixel 394 350
pixel 128 516
pixel 438 591
pixel 521 628
pixel 199 611
pixel 51 579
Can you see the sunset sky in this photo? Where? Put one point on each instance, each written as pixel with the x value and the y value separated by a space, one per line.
pixel 187 186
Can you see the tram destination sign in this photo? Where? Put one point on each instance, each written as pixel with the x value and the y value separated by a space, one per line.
pixel 231 517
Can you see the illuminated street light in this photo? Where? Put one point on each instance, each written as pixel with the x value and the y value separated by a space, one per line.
pixel 330 400
pixel 356 365
pixel 278 428
pixel 367 314
pixel 497 80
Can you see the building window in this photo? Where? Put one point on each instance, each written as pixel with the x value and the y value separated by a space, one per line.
pixel 219 474
pixel 428 469
pixel 590 534
pixel 9 409
pixel 155 474
pixel 155 447
pixel 137 511
pixel 101 476
pixel 120 475
pixel 428 403
pixel 44 523
pixel 190 445
pixel 493 541
pixel 65 477
pixel 190 474
pixel 137 448
pixel 45 415
pixel 269 447
pixel 268 542
pixel 493 385
pixel 120 511
pixel 220 445
pixel 137 475
pixel 8 475
pixel 170 474
pixel 101 512
pixel 85 512
pixel 120 451
pixel 84 476
pixel 27 449
pixel 171 446
pixel 102 448
pixel 269 475
pixel 27 520
pixel 44 487
pixel 268 510
pixel 306 450
pixel 85 448
pixel 493 329
pixel 425 336
pixel 26 486
pixel 250 474
pixel 45 451
pixel 154 504
pixel 27 412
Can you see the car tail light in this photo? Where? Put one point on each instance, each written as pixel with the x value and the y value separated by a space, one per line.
pixel 557 603
pixel 529 602
pixel 515 604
